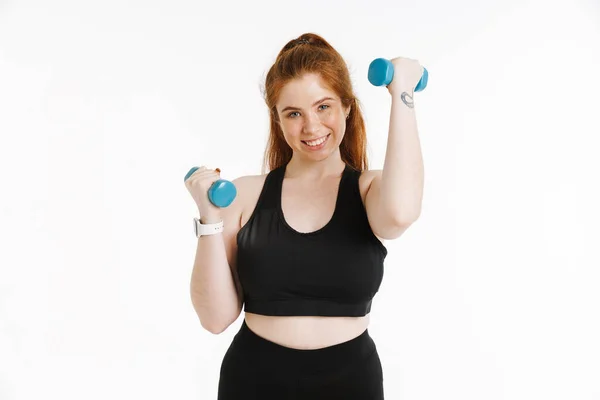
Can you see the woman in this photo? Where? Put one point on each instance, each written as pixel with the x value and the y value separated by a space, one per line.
pixel 301 247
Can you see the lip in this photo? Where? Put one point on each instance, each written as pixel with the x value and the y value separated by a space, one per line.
pixel 318 147
pixel 321 137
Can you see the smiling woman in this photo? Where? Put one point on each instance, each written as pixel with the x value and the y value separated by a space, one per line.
pixel 304 259
pixel 309 95
pixel 307 262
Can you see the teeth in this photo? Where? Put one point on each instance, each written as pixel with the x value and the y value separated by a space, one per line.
pixel 316 142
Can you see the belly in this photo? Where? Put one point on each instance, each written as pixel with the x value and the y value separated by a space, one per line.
pixel 306 333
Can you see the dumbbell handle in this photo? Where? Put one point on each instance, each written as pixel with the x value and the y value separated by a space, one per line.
pixel 221 193
pixel 381 73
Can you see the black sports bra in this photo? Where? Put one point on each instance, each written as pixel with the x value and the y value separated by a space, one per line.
pixel 334 271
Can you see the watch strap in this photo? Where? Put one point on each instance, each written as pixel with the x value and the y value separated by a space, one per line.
pixel 201 229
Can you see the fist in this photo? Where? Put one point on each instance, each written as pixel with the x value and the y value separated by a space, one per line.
pixel 407 74
pixel 198 185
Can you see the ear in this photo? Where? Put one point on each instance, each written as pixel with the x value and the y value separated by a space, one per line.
pixel 348 109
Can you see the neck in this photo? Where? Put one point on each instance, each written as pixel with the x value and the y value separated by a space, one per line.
pixel 313 170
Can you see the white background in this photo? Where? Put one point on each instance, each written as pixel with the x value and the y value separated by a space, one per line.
pixel 104 106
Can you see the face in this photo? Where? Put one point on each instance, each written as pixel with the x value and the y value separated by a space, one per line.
pixel 312 117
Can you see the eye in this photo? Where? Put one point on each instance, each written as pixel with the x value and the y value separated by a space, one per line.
pixel 291 115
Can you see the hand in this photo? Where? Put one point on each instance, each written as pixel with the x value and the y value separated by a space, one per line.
pixel 407 74
pixel 198 185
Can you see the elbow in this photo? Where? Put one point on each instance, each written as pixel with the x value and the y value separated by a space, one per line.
pixel 215 319
pixel 213 324
pixel 216 324
pixel 215 329
pixel 209 321
pixel 393 230
pixel 405 221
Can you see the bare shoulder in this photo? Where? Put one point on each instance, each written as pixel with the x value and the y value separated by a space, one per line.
pixel 247 182
pixel 246 187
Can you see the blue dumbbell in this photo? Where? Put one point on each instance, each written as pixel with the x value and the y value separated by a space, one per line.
pixel 221 193
pixel 381 73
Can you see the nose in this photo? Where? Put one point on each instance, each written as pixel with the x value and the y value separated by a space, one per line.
pixel 312 122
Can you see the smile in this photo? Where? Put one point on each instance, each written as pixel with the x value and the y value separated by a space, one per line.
pixel 317 143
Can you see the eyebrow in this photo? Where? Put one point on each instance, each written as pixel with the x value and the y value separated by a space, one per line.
pixel 314 104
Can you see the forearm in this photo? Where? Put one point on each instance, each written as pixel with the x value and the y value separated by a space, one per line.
pixel 212 288
pixel 403 172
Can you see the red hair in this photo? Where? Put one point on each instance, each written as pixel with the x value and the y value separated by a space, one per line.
pixel 310 53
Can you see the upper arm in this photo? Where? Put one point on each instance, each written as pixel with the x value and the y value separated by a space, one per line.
pixel 382 225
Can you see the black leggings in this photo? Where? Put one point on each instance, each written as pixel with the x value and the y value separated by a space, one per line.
pixel 256 368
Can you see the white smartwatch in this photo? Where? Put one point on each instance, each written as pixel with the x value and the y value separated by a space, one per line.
pixel 201 229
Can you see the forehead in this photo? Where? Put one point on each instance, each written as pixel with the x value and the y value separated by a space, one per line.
pixel 304 91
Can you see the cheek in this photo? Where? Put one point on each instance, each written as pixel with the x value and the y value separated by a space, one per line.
pixel 291 130
pixel 289 127
pixel 333 119
pixel 337 121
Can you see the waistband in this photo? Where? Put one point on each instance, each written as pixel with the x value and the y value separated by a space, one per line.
pixel 314 360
